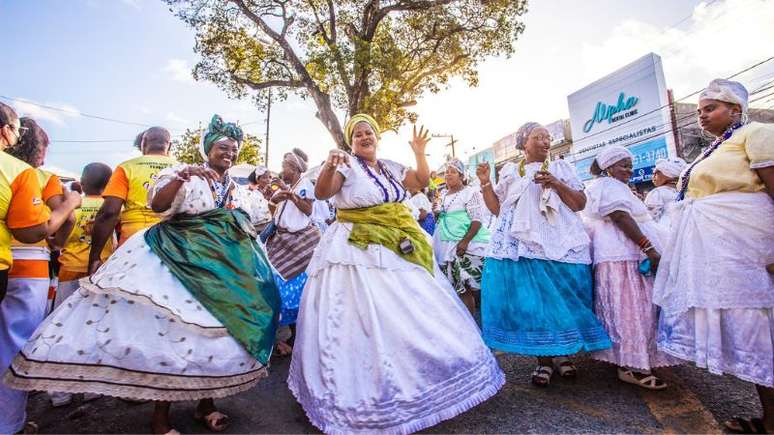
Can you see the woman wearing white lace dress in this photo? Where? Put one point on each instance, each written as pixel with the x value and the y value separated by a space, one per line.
pixel 461 241
pixel 661 199
pixel 715 285
pixel 186 310
pixel 384 344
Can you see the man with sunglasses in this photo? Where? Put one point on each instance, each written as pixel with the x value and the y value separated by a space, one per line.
pixel 23 214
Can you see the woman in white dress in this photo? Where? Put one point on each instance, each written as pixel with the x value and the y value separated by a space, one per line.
pixel 384 344
pixel 461 241
pixel 186 310
pixel 660 200
pixel 715 284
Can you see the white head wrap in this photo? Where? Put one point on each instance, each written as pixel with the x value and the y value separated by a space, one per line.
pixel 612 154
pixel 671 168
pixel 727 91
pixel 260 170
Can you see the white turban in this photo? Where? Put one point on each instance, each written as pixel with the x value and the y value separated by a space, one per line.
pixel 671 168
pixel 727 91
pixel 612 154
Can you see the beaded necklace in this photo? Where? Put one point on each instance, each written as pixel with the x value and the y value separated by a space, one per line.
pixel 523 164
pixel 686 175
pixel 220 190
pixel 400 191
pixel 446 194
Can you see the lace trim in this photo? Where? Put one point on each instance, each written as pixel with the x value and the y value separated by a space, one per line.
pixel 438 403
pixel 27 374
pixel 207 331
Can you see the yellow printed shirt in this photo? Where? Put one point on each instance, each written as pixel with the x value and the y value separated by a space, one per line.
pixel 75 254
pixel 21 202
pixel 731 168
pixel 131 181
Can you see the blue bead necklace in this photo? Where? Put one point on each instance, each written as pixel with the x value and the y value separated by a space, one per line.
pixel 396 185
pixel 686 175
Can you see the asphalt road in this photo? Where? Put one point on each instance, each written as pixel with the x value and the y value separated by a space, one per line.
pixel 596 402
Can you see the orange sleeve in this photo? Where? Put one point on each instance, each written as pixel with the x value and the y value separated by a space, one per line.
pixel 53 188
pixel 118 185
pixel 26 208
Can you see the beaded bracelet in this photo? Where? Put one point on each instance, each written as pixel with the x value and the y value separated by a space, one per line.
pixel 486 185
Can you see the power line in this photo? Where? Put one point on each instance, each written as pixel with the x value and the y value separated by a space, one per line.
pixel 74 112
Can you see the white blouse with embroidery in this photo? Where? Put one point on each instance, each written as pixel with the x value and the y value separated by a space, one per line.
pixel 522 230
pixel 470 200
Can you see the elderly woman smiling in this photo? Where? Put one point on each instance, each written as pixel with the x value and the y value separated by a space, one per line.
pixel 715 292
pixel 536 291
pixel 384 343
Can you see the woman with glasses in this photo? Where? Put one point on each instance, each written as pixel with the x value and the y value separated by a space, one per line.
pixel 536 296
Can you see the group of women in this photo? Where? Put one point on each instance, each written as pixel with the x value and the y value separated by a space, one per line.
pixel 188 310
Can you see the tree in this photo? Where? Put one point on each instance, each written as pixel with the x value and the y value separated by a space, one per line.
pixel 186 149
pixel 373 56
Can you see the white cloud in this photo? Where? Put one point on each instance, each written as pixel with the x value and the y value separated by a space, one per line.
pixel 718 40
pixel 173 117
pixel 51 113
pixel 178 70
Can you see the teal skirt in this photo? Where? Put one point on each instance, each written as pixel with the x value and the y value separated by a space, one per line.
pixel 539 307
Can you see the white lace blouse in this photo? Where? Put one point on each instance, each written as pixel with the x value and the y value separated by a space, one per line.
pixel 470 200
pixel 195 196
pixel 523 230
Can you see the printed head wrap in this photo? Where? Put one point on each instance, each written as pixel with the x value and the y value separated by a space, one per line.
pixel 611 155
pixel 217 130
pixel 297 159
pixel 727 91
pixel 671 168
pixel 349 127
pixel 523 133
pixel 457 165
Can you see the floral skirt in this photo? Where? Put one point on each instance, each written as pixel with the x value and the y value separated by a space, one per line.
pixel 464 272
pixel 624 304
pixel 290 294
pixel 539 307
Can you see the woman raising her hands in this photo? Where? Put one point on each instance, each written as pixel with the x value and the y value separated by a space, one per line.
pixel 536 293
pixel 383 342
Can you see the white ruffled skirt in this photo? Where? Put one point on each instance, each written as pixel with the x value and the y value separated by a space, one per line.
pixel 715 294
pixel 133 330
pixel 383 346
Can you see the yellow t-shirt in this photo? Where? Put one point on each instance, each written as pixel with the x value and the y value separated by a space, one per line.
pixel 21 204
pixel 731 168
pixel 131 181
pixel 75 254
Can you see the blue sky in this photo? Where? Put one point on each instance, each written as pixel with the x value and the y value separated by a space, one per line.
pixel 130 60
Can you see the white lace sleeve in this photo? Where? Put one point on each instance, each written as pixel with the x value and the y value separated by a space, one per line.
pixel 474 206
pixel 508 174
pixel 610 196
pixel 164 177
pixel 567 174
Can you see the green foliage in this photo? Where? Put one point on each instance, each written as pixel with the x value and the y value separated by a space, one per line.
pixel 350 56
pixel 186 149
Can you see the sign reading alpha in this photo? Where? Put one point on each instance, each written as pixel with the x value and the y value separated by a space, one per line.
pixel 610 113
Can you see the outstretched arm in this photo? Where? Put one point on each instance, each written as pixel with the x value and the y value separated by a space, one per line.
pixel 420 177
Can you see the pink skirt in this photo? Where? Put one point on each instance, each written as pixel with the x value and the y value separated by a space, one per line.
pixel 623 303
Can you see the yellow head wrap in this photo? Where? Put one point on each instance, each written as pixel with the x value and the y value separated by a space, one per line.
pixel 349 128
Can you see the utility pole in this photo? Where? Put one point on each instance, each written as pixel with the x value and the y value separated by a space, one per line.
pixel 268 120
pixel 451 143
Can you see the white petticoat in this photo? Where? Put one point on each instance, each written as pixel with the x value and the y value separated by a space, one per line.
pixel 738 341
pixel 133 330
pixel 382 346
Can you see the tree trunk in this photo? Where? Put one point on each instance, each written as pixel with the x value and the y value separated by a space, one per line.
pixel 328 117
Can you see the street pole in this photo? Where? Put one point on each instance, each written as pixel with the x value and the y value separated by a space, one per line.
pixel 268 120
